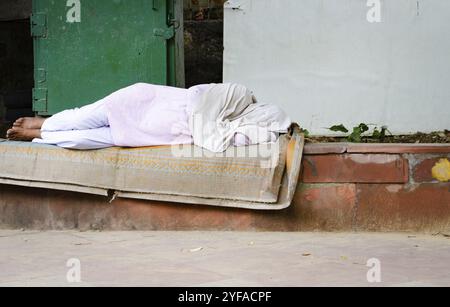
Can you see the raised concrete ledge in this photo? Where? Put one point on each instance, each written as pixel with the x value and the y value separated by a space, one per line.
pixel 339 148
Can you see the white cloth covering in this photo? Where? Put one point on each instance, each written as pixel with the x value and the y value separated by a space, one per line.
pixel 228 110
pixel 139 115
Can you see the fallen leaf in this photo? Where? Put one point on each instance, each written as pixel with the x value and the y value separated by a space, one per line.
pixel 195 250
pixel 306 255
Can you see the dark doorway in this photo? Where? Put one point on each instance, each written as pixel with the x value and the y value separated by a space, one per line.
pixel 16 63
pixel 203 41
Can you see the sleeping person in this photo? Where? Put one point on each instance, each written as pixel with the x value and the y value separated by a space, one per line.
pixel 213 116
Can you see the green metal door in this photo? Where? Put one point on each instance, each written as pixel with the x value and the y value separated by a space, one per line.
pixel 86 49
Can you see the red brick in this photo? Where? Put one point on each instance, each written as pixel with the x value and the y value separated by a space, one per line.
pixel 355 168
pixel 422 171
pixel 418 207
pixel 325 148
pixel 398 148
pixel 329 148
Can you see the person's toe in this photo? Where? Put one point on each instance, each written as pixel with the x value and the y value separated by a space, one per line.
pixel 9 133
pixel 18 122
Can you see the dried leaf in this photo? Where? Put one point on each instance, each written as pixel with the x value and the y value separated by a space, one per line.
pixel 195 250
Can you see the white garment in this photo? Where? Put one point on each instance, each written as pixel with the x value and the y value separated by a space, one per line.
pixel 80 128
pixel 227 110
pixel 146 115
pixel 90 127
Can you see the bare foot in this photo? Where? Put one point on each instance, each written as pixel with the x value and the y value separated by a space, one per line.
pixel 21 134
pixel 29 122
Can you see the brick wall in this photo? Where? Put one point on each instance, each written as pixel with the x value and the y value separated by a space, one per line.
pixel 377 188
pixel 342 188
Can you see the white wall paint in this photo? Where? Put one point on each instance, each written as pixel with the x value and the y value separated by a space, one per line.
pixel 323 62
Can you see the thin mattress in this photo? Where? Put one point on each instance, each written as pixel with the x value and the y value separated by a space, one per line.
pixel 254 177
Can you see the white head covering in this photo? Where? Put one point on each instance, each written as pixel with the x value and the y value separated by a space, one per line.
pixel 226 109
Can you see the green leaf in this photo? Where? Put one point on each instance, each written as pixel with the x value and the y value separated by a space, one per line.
pixel 338 128
pixel 355 136
pixel 363 127
pixel 376 134
pixel 379 134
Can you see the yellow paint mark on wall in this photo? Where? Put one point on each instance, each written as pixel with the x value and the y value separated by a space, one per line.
pixel 441 170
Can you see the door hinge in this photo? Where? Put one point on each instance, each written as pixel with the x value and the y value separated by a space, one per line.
pixel 40 99
pixel 167 33
pixel 39 25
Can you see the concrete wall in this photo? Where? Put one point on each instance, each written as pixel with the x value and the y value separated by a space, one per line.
pixel 326 64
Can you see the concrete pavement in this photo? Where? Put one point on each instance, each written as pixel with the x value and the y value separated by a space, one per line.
pixel 206 259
